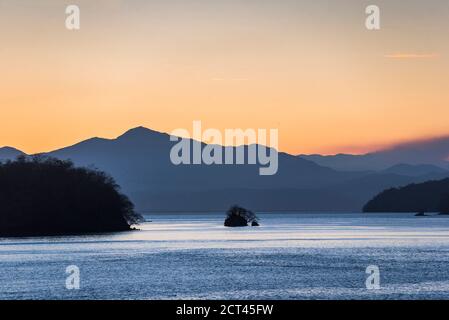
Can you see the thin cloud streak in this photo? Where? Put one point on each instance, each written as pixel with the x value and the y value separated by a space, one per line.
pixel 412 56
pixel 230 79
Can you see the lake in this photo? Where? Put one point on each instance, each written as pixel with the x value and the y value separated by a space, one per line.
pixel 290 256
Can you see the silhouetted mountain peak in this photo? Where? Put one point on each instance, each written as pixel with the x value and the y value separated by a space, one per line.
pixel 140 132
pixel 10 149
pixel 141 135
pixel 10 153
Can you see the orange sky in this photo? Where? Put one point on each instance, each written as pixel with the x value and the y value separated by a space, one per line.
pixel 308 68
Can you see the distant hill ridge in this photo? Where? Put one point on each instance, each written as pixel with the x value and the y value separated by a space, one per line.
pixel 428 151
pixel 431 196
pixel 414 170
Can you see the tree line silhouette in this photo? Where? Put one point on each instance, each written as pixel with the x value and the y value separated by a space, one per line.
pixel 47 196
pixel 431 196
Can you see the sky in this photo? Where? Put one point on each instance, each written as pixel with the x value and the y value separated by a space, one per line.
pixel 310 69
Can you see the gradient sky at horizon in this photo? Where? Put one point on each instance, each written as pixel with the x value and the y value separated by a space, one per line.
pixel 308 68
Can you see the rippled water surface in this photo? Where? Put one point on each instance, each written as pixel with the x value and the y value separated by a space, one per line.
pixel 291 256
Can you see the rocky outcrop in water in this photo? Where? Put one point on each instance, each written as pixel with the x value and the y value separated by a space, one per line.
pixel 240 217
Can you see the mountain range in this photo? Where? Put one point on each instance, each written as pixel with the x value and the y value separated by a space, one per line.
pixel 139 160
pixel 427 151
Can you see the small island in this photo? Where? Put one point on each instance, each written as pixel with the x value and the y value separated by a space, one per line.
pixel 48 197
pixel 240 217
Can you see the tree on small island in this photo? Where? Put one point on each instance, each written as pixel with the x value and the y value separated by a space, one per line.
pixel 45 196
pixel 240 217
